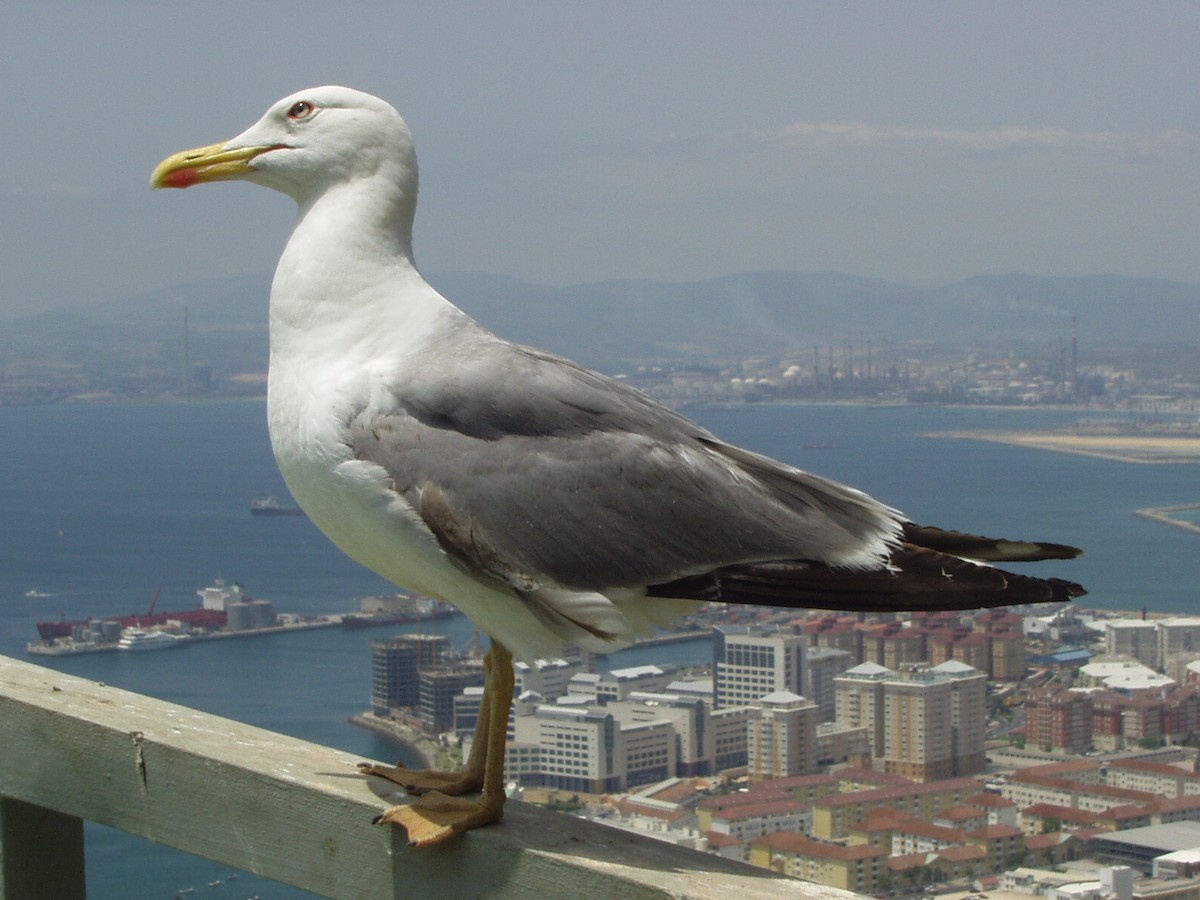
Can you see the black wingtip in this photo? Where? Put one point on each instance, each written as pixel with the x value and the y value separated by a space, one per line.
pixel 916 579
pixel 984 549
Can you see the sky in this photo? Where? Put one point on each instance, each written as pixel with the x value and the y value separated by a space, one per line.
pixel 565 143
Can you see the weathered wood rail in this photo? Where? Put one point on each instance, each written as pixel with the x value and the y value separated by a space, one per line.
pixel 73 750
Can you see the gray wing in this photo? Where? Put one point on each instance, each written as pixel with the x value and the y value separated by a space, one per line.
pixel 539 472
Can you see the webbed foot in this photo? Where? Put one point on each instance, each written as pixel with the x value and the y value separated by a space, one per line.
pixel 435 817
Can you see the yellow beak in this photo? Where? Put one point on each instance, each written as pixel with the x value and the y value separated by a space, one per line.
pixel 213 163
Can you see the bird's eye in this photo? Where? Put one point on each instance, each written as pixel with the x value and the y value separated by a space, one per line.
pixel 301 109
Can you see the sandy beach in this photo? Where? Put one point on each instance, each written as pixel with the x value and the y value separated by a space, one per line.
pixel 1144 449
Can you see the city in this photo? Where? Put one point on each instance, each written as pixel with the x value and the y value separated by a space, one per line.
pixel 1032 751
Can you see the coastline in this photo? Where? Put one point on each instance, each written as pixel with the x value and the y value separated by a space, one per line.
pixel 419 746
pixel 1140 449
pixel 1163 514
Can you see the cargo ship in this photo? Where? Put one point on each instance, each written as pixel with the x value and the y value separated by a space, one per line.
pixel 270 506
pixel 206 619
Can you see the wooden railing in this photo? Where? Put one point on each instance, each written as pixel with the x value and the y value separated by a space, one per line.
pixel 73 750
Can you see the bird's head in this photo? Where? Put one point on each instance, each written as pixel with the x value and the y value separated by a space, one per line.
pixel 303 145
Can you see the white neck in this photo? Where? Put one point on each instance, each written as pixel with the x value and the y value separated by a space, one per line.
pixel 347 279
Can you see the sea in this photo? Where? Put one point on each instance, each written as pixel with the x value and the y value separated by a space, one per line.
pixel 104 506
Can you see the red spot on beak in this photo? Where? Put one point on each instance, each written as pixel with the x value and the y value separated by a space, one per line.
pixel 180 178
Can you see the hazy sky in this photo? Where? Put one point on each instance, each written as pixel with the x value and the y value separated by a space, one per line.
pixel 578 141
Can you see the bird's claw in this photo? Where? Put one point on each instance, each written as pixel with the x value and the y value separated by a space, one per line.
pixel 422 781
pixel 435 817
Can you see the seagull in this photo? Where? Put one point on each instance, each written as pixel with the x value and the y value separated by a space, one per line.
pixel 552 504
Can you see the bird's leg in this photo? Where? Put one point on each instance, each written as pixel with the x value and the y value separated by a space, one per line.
pixel 465 781
pixel 436 816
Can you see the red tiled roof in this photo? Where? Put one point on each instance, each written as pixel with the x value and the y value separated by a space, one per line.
pixel 883 818
pixel 962 853
pixel 795 781
pixel 958 813
pixel 728 801
pixel 757 810
pixel 1045 841
pixel 1142 765
pixel 1026 776
pixel 894 793
pixel 995 832
pixel 718 839
pixel 1175 804
pixel 1120 813
pixel 1058 768
pixel 907 861
pixel 989 801
pixel 1062 813
pixel 791 842
pixel 936 832
pixel 869 776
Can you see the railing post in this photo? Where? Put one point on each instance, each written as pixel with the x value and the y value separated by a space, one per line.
pixel 41 853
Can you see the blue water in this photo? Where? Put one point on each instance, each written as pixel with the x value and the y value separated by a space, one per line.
pixel 103 505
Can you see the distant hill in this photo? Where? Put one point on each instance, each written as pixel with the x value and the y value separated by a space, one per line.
pixel 615 324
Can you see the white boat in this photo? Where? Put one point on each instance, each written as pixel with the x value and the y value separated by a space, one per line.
pixel 139 639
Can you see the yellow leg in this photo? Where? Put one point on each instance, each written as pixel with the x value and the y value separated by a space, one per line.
pixel 437 815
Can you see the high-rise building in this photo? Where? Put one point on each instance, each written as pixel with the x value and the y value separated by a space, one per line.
pixel 781 736
pixel 395 664
pixel 750 662
pixel 436 690
pixel 934 721
pixel 859 699
pixel 968 716
pixel 819 667
pixel 924 723
pixel 916 729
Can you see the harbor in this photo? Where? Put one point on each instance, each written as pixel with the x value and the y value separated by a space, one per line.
pixel 225 612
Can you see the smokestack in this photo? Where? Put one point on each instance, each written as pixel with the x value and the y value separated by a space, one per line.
pixel 1074 358
pixel 187 358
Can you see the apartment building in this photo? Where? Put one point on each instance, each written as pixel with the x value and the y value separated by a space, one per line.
pixel 1058 719
pixel 781 736
pixel 834 815
pixel 851 868
pixel 750 662
pixel 1136 638
pixel 859 701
